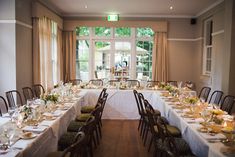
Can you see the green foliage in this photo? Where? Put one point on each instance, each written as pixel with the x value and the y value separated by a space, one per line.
pixel 123 32
pixel 145 32
pixel 102 31
pixel 82 31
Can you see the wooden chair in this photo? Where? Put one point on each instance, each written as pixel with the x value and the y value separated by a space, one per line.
pixel 38 90
pixel 133 83
pixel 96 82
pixel 3 106
pixel 152 83
pixel 173 83
pixel 204 93
pixel 76 81
pixel 227 104
pixel 28 93
pixel 189 84
pixel 113 82
pixel 139 108
pixel 175 146
pixel 77 149
pixel 215 97
pixel 14 98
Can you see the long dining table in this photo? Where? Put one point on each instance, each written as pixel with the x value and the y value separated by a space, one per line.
pixel 120 104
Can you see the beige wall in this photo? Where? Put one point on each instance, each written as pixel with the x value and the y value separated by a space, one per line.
pixel 232 58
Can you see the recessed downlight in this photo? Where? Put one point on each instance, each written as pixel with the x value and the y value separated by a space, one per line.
pixel 171 7
pixel 85 7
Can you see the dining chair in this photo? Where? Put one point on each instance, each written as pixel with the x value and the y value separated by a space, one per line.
pixel 38 90
pixel 215 97
pixel 152 118
pixel 204 93
pixel 113 82
pixel 3 106
pixel 189 84
pixel 75 81
pixel 166 142
pixel 139 108
pixel 173 83
pixel 88 128
pixel 76 149
pixel 227 104
pixel 14 98
pixel 133 83
pixel 96 82
pixel 152 83
pixel 28 93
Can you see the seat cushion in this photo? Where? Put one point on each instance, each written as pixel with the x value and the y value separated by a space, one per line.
pixel 174 131
pixel 74 126
pixel 66 140
pixel 87 109
pixel 83 117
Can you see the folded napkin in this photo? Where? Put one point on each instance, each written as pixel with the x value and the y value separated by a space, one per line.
pixel 4 120
pixel 37 129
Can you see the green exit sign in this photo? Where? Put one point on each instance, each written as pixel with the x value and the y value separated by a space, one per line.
pixel 112 18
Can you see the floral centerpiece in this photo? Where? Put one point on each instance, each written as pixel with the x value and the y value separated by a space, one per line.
pixel 162 85
pixel 50 97
pixel 26 111
pixel 191 100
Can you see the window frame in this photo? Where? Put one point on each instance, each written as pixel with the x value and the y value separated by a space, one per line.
pixel 133 39
pixel 206 59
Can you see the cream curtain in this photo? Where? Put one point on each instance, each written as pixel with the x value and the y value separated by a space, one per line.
pixel 69 55
pixel 59 55
pixel 160 57
pixel 45 40
pixel 36 52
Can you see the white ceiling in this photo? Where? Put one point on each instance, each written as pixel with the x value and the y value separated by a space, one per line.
pixel 131 8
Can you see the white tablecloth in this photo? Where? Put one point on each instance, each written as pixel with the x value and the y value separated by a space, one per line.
pixel 47 141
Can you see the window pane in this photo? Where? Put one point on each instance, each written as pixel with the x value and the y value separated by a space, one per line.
pixel 82 55
pixel 102 59
pixel 122 59
pixel 145 32
pixel 102 31
pixel 144 59
pixel 82 31
pixel 123 32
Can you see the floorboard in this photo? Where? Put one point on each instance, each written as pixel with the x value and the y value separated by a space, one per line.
pixel 121 139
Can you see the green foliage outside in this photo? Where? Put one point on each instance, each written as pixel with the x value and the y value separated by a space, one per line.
pixel 144 61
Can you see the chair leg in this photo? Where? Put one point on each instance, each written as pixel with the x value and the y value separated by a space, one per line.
pixel 139 123
pixel 150 144
pixel 141 127
pixel 97 136
pixel 99 129
pixel 146 135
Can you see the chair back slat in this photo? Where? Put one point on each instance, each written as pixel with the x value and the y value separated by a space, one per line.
pixel 28 93
pixel 3 106
pixel 227 104
pixel 11 96
pixel 38 90
pixel 96 82
pixel 204 93
pixel 75 81
pixel 215 97
pixel 133 83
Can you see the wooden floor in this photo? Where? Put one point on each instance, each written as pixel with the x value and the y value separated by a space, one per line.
pixel 121 139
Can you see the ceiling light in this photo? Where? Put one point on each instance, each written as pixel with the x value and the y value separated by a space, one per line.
pixel 85 6
pixel 171 7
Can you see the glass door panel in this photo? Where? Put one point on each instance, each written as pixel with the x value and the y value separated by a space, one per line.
pixel 102 59
pixel 122 59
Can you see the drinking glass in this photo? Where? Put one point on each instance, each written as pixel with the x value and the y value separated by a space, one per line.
pixel 9 132
pixel 11 111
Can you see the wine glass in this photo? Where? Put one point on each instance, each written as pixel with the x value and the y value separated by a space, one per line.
pixel 9 132
pixel 11 111
pixel 205 116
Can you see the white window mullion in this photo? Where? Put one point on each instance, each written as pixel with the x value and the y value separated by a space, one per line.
pixel 91 55
pixel 133 54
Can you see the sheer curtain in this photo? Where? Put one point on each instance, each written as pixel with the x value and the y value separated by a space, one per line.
pixel 59 55
pixel 160 57
pixel 36 52
pixel 45 40
pixel 69 55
